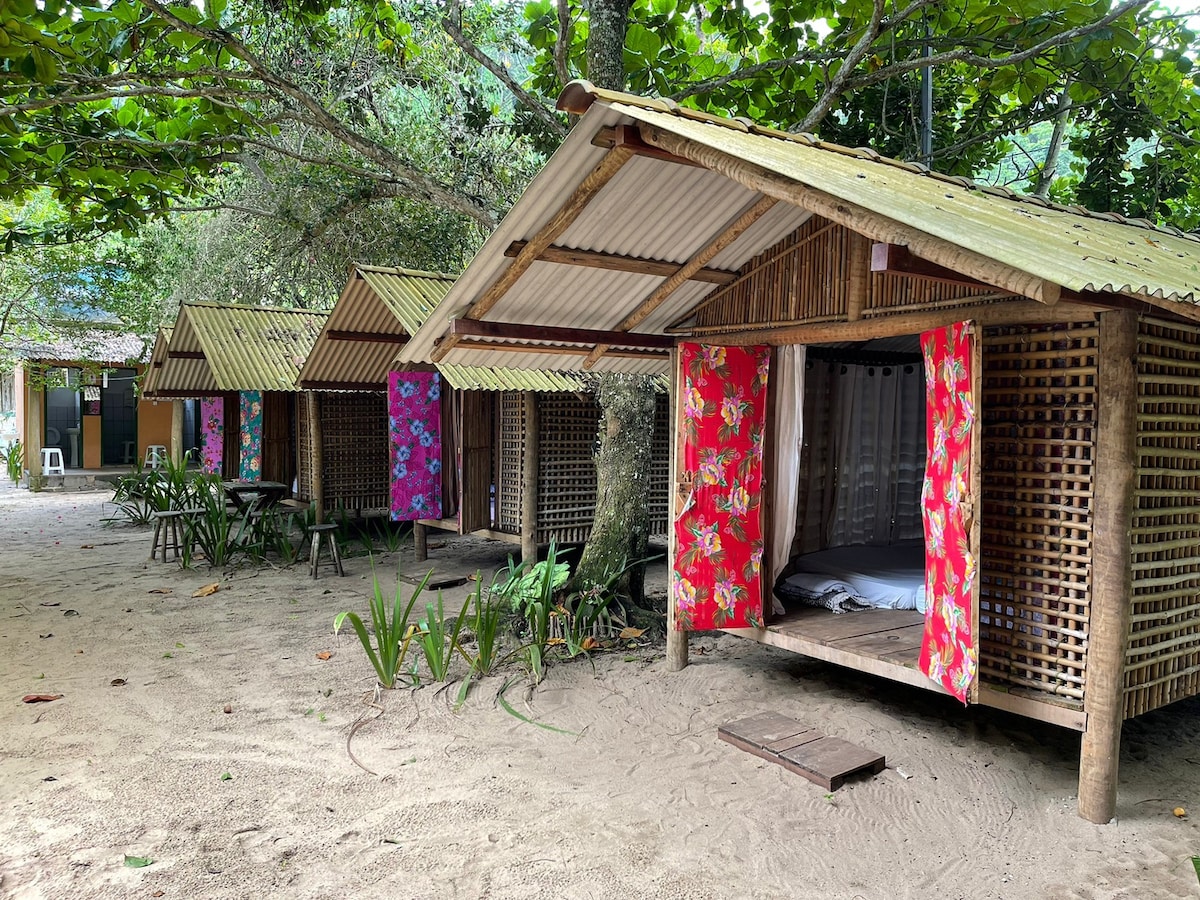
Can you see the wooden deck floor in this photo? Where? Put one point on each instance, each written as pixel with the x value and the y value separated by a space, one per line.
pixel 887 643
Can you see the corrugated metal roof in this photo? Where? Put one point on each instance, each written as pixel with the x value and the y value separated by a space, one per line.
pixel 391 302
pixel 661 210
pixel 246 348
pixel 158 358
pixel 91 345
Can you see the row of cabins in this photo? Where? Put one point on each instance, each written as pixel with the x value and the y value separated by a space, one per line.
pixel 862 354
pixel 301 397
pixel 866 354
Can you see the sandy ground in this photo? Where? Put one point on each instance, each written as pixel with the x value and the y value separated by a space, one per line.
pixel 641 800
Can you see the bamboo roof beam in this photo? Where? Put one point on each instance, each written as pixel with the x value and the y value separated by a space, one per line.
pixel 512 331
pixel 587 190
pixel 730 233
pixel 857 218
pixel 475 344
pixel 366 337
pixel 638 266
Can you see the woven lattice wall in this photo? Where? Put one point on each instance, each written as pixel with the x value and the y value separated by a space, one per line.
pixel 1163 660
pixel 567 435
pixel 355 451
pixel 1039 416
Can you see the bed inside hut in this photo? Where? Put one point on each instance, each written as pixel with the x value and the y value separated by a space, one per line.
pixel 851 588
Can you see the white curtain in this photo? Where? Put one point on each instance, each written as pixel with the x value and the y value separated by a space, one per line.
pixel 787 385
pixel 877 431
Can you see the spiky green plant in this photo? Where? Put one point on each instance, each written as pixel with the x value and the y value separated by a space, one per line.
pixel 14 460
pixel 437 635
pixel 392 634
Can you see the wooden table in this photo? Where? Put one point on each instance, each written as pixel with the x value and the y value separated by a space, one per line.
pixel 242 493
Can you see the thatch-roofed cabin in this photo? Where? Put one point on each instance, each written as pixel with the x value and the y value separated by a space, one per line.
pixel 867 353
pixel 517 446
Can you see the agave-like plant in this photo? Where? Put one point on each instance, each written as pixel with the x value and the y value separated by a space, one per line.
pixel 392 633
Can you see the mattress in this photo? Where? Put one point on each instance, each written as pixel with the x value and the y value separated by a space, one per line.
pixel 848 578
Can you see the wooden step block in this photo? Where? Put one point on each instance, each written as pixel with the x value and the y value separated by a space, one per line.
pixel 437 580
pixel 799 748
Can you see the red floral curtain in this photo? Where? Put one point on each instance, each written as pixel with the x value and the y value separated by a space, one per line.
pixel 948 648
pixel 716 582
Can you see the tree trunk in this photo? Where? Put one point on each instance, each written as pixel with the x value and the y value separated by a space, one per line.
pixel 621 528
pixel 608 20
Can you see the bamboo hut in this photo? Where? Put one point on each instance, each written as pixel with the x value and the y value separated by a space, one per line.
pixel 516 446
pixel 780 281
pixel 241 363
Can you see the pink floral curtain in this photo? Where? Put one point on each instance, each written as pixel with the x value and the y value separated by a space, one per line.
pixel 251 419
pixel 948 654
pixel 717 580
pixel 415 440
pixel 212 434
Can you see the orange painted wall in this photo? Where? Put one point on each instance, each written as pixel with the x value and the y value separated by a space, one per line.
pixel 154 424
pixel 91 442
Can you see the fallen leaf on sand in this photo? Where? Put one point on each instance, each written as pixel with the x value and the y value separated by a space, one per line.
pixel 87 546
pixel 157 894
pixel 1180 812
pixel 159 591
pixel 228 708
pixel 207 590
pixel 40 698
pixel 628 633
pixel 589 643
pixel 48 634
pixel 324 654
pixel 555 642
pixel 71 612
pixel 49 603
pixel 117 682
pixel 137 862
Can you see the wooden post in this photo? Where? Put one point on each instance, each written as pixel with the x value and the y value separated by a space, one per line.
pixel 858 278
pixel 529 481
pixel 1112 577
pixel 35 425
pixel 316 461
pixel 421 541
pixel 677 641
pixel 177 431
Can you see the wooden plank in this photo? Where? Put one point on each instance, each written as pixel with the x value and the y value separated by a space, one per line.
pixel 476 344
pixel 544 333
pixel 677 640
pixel 899 644
pixel 636 265
pixel 630 136
pixel 366 337
pixel 830 760
pixel 729 233
pixel 800 748
pixel 546 235
pixel 185 354
pixel 828 628
pixel 343 386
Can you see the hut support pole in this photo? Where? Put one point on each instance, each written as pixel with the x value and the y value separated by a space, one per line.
pixel 316 460
pixel 177 431
pixel 421 541
pixel 1112 579
pixel 859 277
pixel 529 481
pixel 35 425
pixel 677 641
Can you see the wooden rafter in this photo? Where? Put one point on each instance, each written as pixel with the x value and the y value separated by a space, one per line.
pixel 559 351
pixel 597 260
pixel 511 331
pixel 857 218
pixel 342 385
pixel 366 337
pixel 546 235
pixel 629 136
pixel 186 354
pixel 730 233
pixel 893 259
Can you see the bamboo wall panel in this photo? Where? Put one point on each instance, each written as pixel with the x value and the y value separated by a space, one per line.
pixel 567 439
pixel 510 462
pixel 1162 663
pixel 804 279
pixel 355 451
pixel 1039 410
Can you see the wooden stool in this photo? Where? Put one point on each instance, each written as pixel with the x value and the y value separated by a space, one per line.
pixel 166 533
pixel 323 534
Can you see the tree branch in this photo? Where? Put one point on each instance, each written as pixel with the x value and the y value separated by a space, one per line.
pixel 454 29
